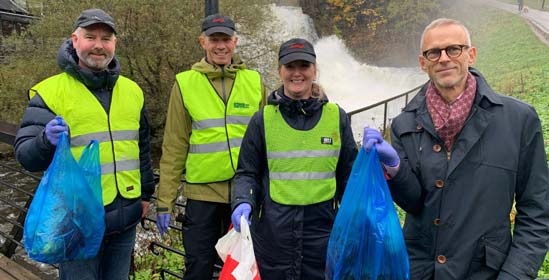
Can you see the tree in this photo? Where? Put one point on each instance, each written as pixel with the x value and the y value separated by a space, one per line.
pixel 379 32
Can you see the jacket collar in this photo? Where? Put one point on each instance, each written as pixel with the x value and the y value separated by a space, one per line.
pixel 214 71
pixel 485 95
pixel 296 107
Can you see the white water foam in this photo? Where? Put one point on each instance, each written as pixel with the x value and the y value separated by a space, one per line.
pixel 347 82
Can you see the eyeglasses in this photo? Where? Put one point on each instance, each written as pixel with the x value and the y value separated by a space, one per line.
pixel 451 51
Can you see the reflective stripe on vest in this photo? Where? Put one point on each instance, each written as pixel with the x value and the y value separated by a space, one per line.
pixel 217 127
pixel 302 164
pixel 117 132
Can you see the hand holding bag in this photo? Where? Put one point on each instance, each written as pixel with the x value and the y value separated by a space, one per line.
pixel 237 251
pixel 66 218
pixel 366 241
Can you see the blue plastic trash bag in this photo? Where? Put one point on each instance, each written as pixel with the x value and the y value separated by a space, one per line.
pixel 66 218
pixel 366 240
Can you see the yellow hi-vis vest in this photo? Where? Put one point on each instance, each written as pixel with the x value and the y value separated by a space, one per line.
pixel 302 164
pixel 117 132
pixel 217 127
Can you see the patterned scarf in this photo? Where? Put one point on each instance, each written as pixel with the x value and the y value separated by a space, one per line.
pixel 449 118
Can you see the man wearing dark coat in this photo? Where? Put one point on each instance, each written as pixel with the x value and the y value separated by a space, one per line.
pixel 460 155
pixel 90 100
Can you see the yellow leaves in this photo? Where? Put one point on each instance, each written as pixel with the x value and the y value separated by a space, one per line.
pixel 354 14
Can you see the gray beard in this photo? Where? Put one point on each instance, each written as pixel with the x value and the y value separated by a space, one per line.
pixel 95 65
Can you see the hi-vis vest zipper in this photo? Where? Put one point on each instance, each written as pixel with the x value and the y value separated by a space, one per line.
pixel 302 164
pixel 217 127
pixel 117 131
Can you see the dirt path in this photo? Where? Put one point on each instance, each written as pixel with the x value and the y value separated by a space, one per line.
pixel 538 20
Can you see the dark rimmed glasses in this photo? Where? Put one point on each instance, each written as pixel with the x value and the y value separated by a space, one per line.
pixel 451 51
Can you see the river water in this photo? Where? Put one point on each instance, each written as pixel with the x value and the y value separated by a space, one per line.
pixel 348 82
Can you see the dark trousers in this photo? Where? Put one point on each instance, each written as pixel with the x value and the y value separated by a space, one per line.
pixel 205 222
pixel 111 263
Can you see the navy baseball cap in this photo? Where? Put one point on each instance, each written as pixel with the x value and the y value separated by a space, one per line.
pixel 218 24
pixel 296 49
pixel 93 16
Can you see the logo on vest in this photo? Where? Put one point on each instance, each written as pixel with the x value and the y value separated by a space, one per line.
pixel 129 188
pixel 326 140
pixel 238 105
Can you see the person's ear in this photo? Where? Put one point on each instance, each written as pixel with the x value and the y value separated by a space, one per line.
pixel 423 63
pixel 74 38
pixel 202 41
pixel 472 55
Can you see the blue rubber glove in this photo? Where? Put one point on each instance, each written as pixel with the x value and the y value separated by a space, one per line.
pixel 242 209
pixel 386 152
pixel 54 128
pixel 163 222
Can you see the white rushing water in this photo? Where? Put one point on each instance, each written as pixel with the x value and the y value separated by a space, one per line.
pixel 348 82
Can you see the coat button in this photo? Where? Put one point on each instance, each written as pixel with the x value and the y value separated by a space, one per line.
pixel 441 259
pixel 439 184
pixel 437 148
pixel 436 221
pixel 419 127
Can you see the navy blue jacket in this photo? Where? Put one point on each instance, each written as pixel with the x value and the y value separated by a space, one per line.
pixel 290 242
pixel 457 224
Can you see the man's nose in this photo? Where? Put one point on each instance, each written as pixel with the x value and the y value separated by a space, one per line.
pixel 443 56
pixel 98 43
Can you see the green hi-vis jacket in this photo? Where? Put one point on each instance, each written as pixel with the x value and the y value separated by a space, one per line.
pixel 117 132
pixel 217 127
pixel 302 164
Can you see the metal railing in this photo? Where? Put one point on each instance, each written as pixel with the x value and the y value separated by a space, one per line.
pixel 13 238
pixel 386 105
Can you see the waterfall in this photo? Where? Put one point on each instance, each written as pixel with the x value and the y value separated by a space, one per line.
pixel 347 82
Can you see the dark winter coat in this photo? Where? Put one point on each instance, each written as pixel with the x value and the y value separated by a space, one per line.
pixel 458 204
pixel 35 153
pixel 289 241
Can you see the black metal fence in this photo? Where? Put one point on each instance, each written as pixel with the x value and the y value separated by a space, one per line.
pixel 390 108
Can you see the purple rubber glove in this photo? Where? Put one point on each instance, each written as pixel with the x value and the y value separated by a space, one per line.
pixel 242 209
pixel 54 128
pixel 163 222
pixel 386 152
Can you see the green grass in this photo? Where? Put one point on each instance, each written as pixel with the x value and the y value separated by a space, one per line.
pixel 148 265
pixel 514 61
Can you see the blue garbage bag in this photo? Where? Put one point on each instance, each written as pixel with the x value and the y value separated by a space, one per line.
pixel 66 218
pixel 366 241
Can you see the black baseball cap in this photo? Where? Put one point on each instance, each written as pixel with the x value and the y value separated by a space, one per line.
pixel 218 24
pixel 296 49
pixel 93 16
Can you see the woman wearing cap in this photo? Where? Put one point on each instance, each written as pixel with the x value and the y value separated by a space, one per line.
pixel 295 159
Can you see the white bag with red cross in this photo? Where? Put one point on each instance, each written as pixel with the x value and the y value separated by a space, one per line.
pixel 237 251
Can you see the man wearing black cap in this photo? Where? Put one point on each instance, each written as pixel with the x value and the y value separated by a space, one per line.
pixel 209 110
pixel 92 99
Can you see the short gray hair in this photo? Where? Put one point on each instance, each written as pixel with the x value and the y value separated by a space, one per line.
pixel 445 21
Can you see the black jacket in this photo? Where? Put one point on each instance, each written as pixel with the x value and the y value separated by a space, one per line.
pixel 457 223
pixel 289 241
pixel 35 153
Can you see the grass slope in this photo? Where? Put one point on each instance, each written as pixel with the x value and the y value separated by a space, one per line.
pixel 514 61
